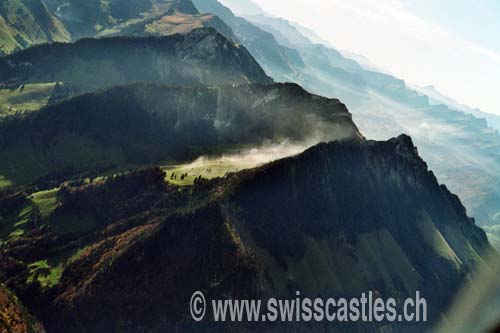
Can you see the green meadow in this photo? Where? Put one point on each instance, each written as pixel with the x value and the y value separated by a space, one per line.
pixel 185 174
pixel 30 97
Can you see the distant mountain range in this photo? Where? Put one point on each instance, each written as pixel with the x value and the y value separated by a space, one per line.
pixel 101 232
pixel 437 98
pixel 244 7
pixel 461 148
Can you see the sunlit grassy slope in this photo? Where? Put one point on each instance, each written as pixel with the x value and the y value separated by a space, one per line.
pixel 46 274
pixel 205 169
pixel 46 201
pixel 237 159
pixel 28 22
pixel 42 205
pixel 30 97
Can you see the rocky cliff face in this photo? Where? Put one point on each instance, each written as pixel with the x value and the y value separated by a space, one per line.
pixel 373 208
pixel 200 57
pixel 338 220
pixel 147 123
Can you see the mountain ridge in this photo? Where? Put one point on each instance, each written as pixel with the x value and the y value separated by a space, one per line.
pixel 202 56
pixel 146 123
pixel 213 229
pixel 273 57
pixel 458 146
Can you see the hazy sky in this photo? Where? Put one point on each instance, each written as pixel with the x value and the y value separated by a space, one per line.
pixel 451 44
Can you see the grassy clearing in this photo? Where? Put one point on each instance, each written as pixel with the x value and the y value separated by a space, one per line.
pixel 31 97
pixel 18 223
pixel 47 275
pixel 205 168
pixel 16 233
pixel 235 158
pixel 46 201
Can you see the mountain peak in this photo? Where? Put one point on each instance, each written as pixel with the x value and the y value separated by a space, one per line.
pixel 405 147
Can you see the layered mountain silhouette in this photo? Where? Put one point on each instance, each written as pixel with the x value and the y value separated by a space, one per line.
pixel 438 98
pixel 276 59
pixel 98 234
pixel 457 142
